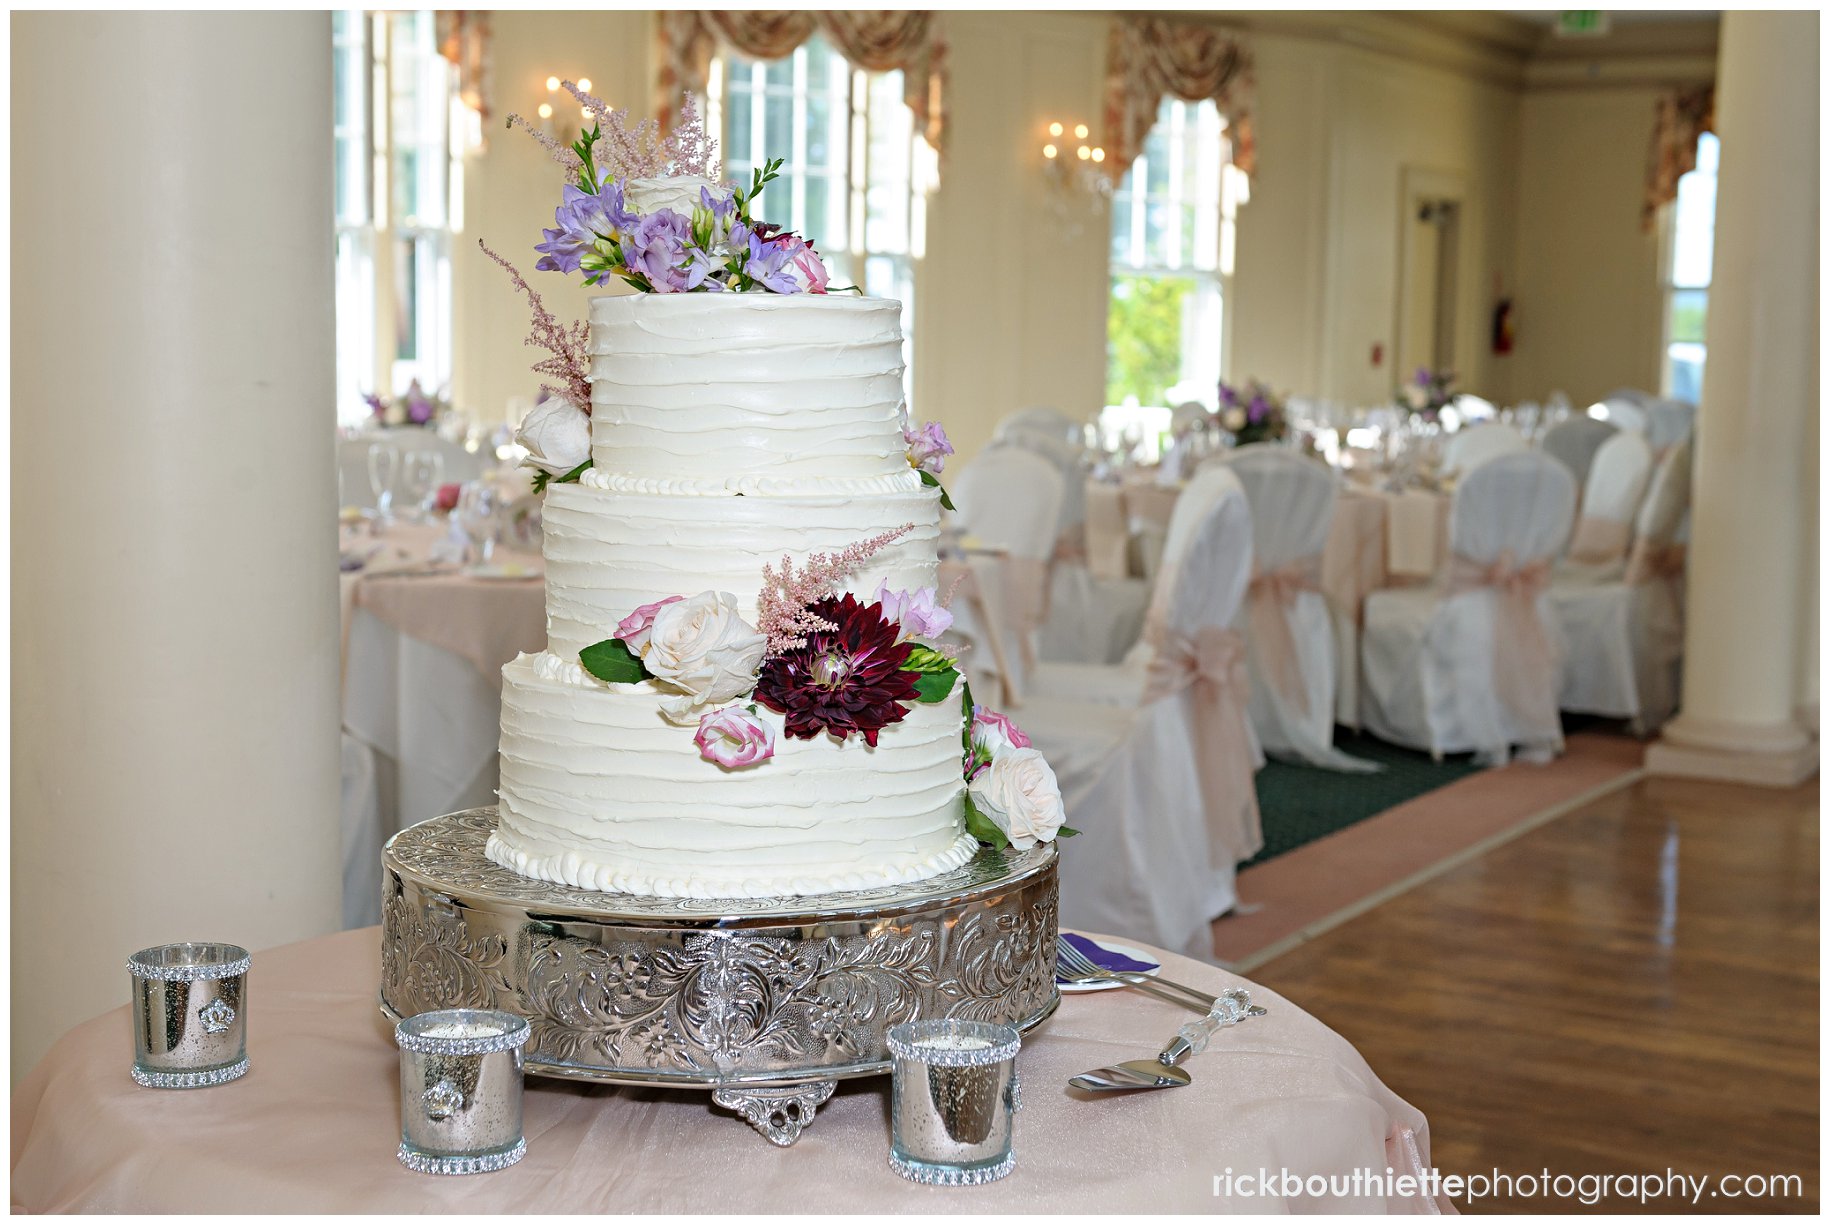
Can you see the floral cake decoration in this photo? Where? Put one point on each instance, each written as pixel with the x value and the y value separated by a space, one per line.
pixel 829 664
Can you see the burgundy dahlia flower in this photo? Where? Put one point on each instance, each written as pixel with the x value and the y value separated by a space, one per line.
pixel 844 680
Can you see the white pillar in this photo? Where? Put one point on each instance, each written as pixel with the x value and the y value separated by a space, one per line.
pixel 1755 459
pixel 175 640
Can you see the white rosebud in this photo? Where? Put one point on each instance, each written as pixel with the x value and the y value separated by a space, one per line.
pixel 557 435
pixel 702 648
pixel 1019 794
pixel 678 192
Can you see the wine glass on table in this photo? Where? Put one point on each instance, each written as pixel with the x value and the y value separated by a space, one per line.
pixel 478 514
pixel 384 466
pixel 424 471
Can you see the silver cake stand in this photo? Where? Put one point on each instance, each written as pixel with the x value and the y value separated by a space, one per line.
pixel 767 1002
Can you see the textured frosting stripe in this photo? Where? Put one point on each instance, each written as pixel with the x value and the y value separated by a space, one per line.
pixel 905 481
pixel 598 792
pixel 608 553
pixel 724 389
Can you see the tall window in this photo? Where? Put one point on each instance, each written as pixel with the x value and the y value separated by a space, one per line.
pixel 400 135
pixel 1172 260
pixel 1690 233
pixel 855 176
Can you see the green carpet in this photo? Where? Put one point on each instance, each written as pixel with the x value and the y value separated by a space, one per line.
pixel 1299 804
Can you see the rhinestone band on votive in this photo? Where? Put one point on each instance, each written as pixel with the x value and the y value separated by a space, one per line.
pixel 904 1044
pixel 190 1080
pixel 420 1044
pixel 934 1177
pixel 188 974
pixel 420 1163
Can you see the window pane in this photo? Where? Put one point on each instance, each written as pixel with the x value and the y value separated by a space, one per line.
pixel 1684 372
pixel 778 126
pixel 1689 307
pixel 779 74
pixel 736 142
pixel 1694 219
pixel 1144 337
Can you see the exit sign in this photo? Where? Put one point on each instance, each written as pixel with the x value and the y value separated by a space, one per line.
pixel 1581 24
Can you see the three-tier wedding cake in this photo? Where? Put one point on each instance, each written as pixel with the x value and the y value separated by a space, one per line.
pixel 743 692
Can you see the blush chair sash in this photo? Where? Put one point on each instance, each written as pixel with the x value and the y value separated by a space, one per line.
pixel 1650 560
pixel 1523 673
pixel 1105 530
pixel 1210 664
pixel 1270 601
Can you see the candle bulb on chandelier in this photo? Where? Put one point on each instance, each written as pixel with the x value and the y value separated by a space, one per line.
pixel 1083 153
pixel 546 111
pixel 1054 129
pixel 1099 155
pixel 1049 151
pixel 584 84
pixel 552 85
pixel 1080 131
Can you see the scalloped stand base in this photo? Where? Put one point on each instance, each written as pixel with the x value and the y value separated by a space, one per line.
pixel 779 1112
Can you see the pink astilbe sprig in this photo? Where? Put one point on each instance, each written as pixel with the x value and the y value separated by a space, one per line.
pixel 557 151
pixel 570 363
pixel 783 614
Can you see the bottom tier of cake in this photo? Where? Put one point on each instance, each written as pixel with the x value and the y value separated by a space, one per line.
pixel 600 792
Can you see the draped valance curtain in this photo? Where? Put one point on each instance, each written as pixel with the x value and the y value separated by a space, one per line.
pixel 874 40
pixel 463 38
pixel 1149 57
pixel 1683 115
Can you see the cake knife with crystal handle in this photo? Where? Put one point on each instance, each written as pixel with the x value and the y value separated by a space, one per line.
pixel 1163 1072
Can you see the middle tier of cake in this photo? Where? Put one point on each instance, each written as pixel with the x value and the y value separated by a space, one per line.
pixel 608 553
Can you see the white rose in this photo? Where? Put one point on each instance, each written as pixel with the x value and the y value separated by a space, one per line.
pixel 557 435
pixel 1018 792
pixel 1234 420
pixel 679 193
pixel 705 650
pixel 1417 397
pixel 396 414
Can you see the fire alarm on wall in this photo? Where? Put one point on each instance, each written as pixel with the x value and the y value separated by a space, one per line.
pixel 1378 354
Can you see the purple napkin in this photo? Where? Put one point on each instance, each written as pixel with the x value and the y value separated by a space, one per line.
pixel 1105 958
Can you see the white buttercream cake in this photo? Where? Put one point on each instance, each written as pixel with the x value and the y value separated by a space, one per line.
pixel 727 430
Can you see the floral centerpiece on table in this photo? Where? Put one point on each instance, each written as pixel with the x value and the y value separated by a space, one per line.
pixel 829 664
pixel 1428 392
pixel 1252 413
pixel 648 210
pixel 413 407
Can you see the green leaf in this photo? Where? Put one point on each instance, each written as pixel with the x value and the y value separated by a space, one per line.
pixel 965 691
pixel 543 478
pixel 1067 831
pixel 926 659
pixel 929 479
pixel 935 686
pixel 612 661
pixel 981 827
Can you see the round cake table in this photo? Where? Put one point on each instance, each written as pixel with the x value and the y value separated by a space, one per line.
pixel 314 1125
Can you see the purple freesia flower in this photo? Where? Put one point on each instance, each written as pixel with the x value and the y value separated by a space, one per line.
pixel 420 407
pixel 582 218
pixel 721 207
pixel 769 265
pixel 1257 410
pixel 1229 396
pixel 656 248
pixel 377 405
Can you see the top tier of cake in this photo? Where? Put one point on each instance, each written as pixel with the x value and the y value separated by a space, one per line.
pixel 753 394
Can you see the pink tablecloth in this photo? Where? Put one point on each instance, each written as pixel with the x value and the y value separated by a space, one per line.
pixel 313 1127
pixel 485 622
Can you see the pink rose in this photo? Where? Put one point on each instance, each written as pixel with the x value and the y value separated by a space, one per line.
pixel 918 612
pixel 734 738
pixel 993 733
pixel 928 448
pixel 804 263
pixel 633 629
pixel 448 496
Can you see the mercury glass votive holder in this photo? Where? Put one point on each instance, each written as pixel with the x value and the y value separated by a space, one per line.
pixel 460 1090
pixel 954 1096
pixel 190 1022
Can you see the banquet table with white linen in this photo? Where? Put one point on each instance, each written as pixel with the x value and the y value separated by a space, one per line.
pixel 314 1125
pixel 422 681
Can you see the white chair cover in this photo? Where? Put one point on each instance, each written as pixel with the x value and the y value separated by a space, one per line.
pixel 1573 442
pixel 1009 498
pixel 1625 638
pixel 1154 858
pixel 1122 683
pixel 1472 666
pixel 1476 444
pixel 1669 422
pixel 1610 501
pixel 1626 409
pixel 1289 632
pixel 1040 419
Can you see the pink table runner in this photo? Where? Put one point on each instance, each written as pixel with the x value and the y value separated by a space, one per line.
pixel 313 1127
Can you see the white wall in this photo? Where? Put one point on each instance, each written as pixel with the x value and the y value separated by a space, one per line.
pixel 1589 307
